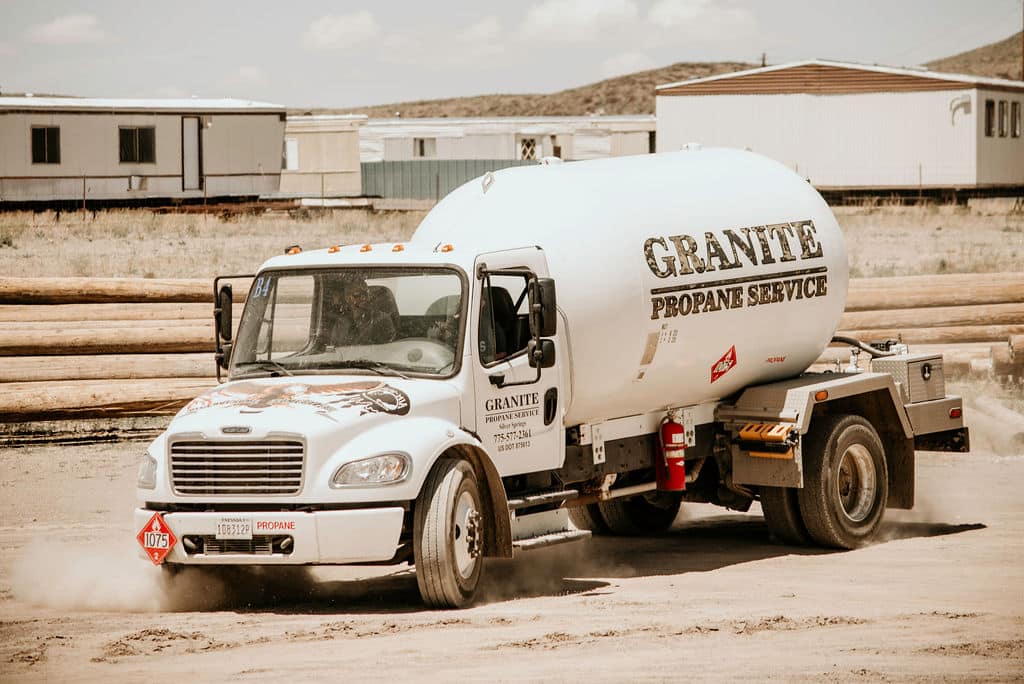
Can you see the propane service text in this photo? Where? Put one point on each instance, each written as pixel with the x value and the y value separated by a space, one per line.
pixel 752 246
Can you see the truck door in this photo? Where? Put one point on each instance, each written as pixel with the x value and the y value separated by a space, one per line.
pixel 518 416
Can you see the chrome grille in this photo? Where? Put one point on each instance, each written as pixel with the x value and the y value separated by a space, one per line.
pixel 237 467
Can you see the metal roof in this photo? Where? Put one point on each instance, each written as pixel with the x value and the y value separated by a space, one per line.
pixel 834 67
pixel 79 104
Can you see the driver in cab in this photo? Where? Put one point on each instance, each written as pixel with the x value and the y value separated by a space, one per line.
pixel 352 317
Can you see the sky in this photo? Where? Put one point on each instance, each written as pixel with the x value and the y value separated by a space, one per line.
pixel 341 54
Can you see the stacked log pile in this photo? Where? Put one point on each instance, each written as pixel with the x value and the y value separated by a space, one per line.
pixel 972 319
pixel 98 347
pixel 89 347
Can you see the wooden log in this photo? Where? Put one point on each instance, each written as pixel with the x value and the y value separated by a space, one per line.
pixel 934 317
pixel 106 367
pixel 23 401
pixel 957 354
pixel 963 333
pixel 100 290
pixel 108 341
pixel 934 291
pixel 71 327
pixel 15 313
pixel 1016 345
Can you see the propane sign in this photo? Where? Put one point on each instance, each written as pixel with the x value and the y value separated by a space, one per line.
pixel 157 539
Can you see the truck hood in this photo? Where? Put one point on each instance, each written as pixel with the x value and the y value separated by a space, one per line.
pixel 324 409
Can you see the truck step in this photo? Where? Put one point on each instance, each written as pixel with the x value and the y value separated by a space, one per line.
pixel 546 497
pixel 550 539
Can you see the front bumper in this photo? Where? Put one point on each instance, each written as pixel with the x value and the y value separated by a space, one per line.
pixel 318 537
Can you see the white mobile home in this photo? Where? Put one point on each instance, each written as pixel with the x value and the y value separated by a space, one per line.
pixel 322 156
pixel 120 149
pixel 852 126
pixel 506 138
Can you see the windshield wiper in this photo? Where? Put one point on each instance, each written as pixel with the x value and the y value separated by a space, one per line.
pixel 376 366
pixel 267 364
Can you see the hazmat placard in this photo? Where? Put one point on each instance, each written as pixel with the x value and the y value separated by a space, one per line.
pixel 157 539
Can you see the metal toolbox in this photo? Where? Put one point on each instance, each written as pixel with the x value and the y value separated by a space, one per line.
pixel 919 376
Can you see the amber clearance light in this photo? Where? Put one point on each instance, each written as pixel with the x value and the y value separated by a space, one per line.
pixel 366 248
pixel 398 248
pixel 447 248
pixel 334 249
pixel 820 395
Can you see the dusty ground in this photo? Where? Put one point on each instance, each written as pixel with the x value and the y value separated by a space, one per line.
pixel 941 599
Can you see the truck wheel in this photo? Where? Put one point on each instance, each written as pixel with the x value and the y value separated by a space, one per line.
pixel 448 529
pixel 781 507
pixel 588 518
pixel 643 514
pixel 846 483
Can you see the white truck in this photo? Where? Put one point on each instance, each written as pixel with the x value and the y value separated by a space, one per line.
pixel 432 403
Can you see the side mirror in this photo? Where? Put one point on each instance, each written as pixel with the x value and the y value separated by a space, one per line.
pixel 541 353
pixel 543 309
pixel 222 313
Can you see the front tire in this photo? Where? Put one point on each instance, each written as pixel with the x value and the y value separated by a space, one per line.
pixel 846 483
pixel 448 528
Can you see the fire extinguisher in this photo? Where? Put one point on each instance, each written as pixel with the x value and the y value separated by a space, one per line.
pixel 670 469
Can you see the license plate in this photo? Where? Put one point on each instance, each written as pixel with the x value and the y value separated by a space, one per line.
pixel 234 528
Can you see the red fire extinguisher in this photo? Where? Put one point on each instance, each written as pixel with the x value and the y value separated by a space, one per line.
pixel 670 469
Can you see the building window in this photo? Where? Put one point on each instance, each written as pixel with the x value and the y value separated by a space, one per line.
pixel 291 154
pixel 990 118
pixel 1003 120
pixel 1015 119
pixel 527 148
pixel 138 144
pixel 45 145
pixel 424 148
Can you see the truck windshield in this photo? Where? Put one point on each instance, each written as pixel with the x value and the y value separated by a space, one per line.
pixel 386 321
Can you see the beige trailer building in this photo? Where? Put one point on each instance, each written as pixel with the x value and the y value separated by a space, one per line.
pixel 321 156
pixel 123 149
pixel 506 138
pixel 854 126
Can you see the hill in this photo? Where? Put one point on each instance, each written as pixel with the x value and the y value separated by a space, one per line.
pixel 997 60
pixel 634 93
pixel 630 94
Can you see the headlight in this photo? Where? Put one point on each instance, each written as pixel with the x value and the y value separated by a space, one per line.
pixel 378 470
pixel 147 472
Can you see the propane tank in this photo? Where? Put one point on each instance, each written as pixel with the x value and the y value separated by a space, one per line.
pixel 670 469
pixel 682 277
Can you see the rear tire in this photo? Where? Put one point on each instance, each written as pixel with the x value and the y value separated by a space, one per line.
pixel 448 529
pixel 588 518
pixel 781 507
pixel 846 482
pixel 644 514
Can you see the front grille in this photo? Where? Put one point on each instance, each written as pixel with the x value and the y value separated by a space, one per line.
pixel 241 468
pixel 257 546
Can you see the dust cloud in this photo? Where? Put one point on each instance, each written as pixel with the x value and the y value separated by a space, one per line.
pixel 111 577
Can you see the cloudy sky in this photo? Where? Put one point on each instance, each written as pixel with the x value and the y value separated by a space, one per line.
pixel 341 54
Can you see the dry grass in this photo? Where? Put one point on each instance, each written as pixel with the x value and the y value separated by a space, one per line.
pixel 932 239
pixel 140 243
pixel 882 241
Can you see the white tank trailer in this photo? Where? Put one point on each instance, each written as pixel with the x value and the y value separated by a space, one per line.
pixel 560 351
pixel 665 265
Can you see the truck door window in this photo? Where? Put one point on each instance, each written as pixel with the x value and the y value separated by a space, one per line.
pixel 504 321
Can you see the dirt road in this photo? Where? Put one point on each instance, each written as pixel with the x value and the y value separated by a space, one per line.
pixel 942 598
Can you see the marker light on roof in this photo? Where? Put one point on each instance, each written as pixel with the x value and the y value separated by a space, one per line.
pixel 447 248
pixel 294 249
pixel 366 248
pixel 398 248
pixel 334 249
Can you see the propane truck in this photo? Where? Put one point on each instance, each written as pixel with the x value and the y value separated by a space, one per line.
pixel 560 350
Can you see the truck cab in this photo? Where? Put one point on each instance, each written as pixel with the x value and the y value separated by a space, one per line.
pixel 375 397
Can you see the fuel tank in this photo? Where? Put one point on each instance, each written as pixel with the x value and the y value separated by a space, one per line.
pixel 681 277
